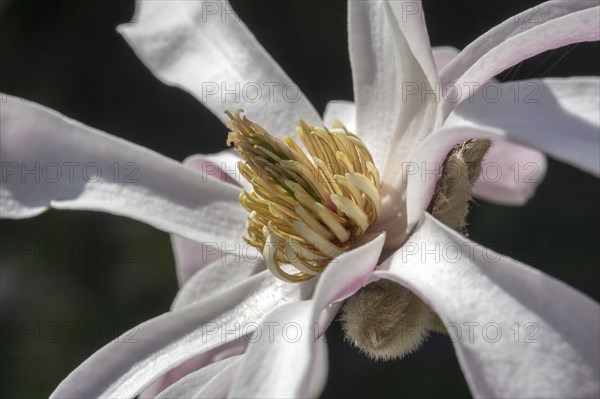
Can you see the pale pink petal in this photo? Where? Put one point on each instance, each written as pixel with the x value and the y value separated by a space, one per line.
pixel 223 166
pixel 442 56
pixel 220 166
pixel 343 111
pixel 191 256
pixel 123 368
pixel 202 383
pixel 287 358
pixel 220 384
pixel 49 161
pixel 517 332
pixel 220 274
pixel 510 174
pixel 204 47
pixel 391 65
pixel 290 360
pixel 191 366
pixel 559 117
pixel 545 27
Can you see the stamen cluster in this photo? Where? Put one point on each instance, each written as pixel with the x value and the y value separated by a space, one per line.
pixel 304 211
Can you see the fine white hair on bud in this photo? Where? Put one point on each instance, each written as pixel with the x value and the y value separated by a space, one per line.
pixel 385 320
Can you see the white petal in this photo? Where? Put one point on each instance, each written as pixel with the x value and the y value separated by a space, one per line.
pixel 124 367
pixel 391 67
pixel 290 360
pixel 219 275
pixel 191 256
pixel 544 27
pixel 204 47
pixel 203 361
pixel 346 274
pixel 49 160
pixel 442 55
pixel 220 384
pixel 560 117
pixel 200 381
pixel 344 111
pixel 424 169
pixel 285 360
pixel 553 351
pixel 411 20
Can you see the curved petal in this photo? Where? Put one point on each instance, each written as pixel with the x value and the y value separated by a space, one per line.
pixel 442 55
pixel 49 160
pixel 411 20
pixel 222 165
pixel 545 27
pixel 223 272
pixel 559 117
pixel 191 256
pixel 202 383
pixel 204 47
pixel 289 360
pixel 216 166
pixel 203 361
pixel 344 111
pixel 392 66
pixel 510 174
pixel 517 332
pixel 124 367
pixel 499 177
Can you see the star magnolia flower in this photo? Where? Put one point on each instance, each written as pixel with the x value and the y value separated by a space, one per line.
pixel 391 57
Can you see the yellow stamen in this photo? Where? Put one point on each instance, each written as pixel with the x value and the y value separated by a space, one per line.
pixel 304 211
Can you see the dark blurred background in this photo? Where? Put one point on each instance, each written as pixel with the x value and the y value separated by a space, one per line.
pixel 112 273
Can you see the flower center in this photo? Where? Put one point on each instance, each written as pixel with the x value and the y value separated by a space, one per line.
pixel 304 211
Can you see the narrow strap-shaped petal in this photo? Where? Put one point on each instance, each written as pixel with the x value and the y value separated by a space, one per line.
pixel 517 332
pixel 124 367
pixel 291 360
pixel 220 384
pixel 220 166
pixel 390 67
pixel 191 256
pixel 545 27
pixel 203 361
pixel 224 271
pixel 196 384
pixel 204 47
pixel 510 174
pixel 560 117
pixel 442 56
pixel 288 360
pixel 411 20
pixel 50 161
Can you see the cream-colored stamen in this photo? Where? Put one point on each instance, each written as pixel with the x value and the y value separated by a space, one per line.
pixel 304 211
